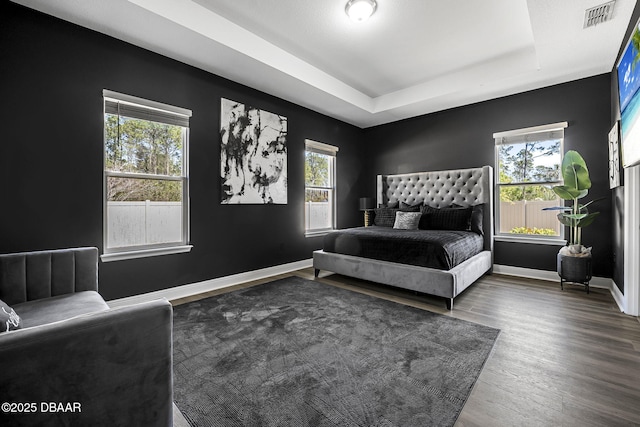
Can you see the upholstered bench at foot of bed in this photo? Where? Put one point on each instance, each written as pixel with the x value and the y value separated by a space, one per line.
pixel 444 283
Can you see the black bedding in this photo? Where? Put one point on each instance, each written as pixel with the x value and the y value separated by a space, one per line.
pixel 440 249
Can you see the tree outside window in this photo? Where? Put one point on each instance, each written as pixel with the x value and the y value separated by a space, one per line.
pixel 146 184
pixel 528 167
pixel 319 171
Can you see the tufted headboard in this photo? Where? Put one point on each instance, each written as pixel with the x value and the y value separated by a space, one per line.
pixel 463 187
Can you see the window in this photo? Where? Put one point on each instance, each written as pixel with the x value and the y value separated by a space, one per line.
pixel 146 184
pixel 319 188
pixel 528 166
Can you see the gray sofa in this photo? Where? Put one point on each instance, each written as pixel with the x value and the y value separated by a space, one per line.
pixel 75 361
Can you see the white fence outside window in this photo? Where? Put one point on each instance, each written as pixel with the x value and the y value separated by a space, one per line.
pixel 143 223
pixel 528 214
pixel 318 215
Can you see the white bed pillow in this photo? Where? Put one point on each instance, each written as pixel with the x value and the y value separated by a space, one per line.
pixel 407 220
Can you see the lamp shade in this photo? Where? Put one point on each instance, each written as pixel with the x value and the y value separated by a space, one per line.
pixel 367 203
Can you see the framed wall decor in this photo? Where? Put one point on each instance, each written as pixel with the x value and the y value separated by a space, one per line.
pixel 629 96
pixel 615 179
pixel 253 155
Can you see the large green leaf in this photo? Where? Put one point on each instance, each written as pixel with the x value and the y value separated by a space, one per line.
pixel 565 220
pixel 569 193
pixel 575 172
pixel 576 217
pixel 576 186
pixel 580 220
pixel 588 219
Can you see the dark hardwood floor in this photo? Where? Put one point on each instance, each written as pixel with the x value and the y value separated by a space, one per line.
pixel 563 358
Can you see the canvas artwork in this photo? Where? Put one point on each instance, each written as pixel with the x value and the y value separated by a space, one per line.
pixel 253 155
pixel 614 157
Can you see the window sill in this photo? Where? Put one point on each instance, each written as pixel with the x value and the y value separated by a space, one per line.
pixel 317 233
pixel 144 253
pixel 531 240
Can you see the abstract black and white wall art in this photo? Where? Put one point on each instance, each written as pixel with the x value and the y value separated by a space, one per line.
pixel 615 179
pixel 253 155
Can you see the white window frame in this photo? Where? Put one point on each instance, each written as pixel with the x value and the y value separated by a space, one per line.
pixel 511 137
pixel 332 152
pixel 144 109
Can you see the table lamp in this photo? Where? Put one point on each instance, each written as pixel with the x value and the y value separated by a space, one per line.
pixel 367 204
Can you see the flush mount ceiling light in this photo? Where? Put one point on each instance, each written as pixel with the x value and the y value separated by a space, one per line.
pixel 360 10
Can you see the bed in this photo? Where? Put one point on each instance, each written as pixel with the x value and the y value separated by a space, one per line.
pixel 438 190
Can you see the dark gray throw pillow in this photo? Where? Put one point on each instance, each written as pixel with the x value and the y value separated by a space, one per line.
pixel 477 218
pixel 9 319
pixel 458 219
pixel 405 207
pixel 384 217
pixel 391 205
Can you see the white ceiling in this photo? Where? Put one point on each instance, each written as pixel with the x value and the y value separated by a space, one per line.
pixel 411 57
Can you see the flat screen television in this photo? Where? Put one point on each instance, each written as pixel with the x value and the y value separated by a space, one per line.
pixel 628 71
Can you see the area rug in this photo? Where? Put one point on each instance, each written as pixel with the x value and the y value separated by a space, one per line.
pixel 295 352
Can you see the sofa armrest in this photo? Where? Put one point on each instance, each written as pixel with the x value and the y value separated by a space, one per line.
pixel 115 365
pixel 28 276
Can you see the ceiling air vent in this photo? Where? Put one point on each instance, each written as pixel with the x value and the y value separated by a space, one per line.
pixel 599 14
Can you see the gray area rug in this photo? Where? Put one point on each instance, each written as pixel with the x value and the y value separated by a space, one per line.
pixel 295 352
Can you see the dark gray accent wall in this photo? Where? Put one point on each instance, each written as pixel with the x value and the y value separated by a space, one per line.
pixel 463 137
pixel 51 155
pixel 52 74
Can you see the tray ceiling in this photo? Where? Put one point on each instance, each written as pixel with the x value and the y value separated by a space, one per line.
pixel 411 57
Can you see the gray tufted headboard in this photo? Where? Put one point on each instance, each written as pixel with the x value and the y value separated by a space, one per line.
pixel 464 187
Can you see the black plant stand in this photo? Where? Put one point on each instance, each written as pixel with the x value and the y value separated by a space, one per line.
pixel 574 269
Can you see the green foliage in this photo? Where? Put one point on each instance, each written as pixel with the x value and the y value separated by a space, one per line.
pixel 141 146
pixel 316 169
pixel 526 192
pixel 576 177
pixel 635 40
pixel 534 230
pixel 576 186
pixel 137 190
pixel 144 147
pixel 517 164
pixel 316 174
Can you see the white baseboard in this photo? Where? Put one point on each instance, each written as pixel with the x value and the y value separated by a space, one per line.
pixel 596 282
pixel 618 296
pixel 212 284
pixel 235 279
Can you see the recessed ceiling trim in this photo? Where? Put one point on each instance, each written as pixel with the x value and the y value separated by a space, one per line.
pixel 203 21
pixel 244 52
pixel 519 63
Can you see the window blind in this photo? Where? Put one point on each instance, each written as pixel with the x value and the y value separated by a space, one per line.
pixel 532 134
pixel 138 108
pixel 531 137
pixel 320 148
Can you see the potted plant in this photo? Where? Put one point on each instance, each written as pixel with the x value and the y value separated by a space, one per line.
pixel 574 260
